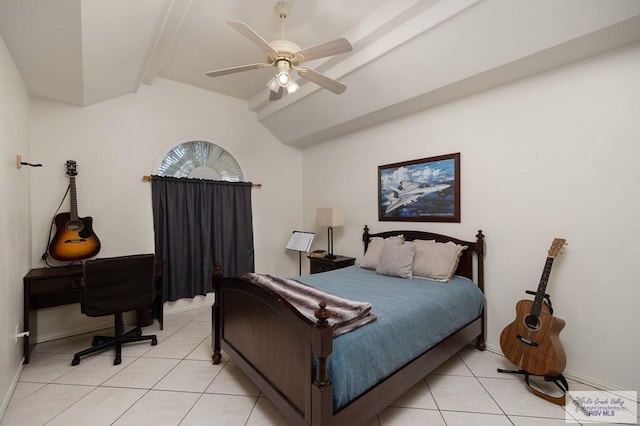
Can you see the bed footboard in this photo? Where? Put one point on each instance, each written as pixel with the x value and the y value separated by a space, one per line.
pixel 275 346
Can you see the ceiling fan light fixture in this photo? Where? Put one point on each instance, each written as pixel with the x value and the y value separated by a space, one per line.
pixel 283 78
pixel 282 75
pixel 273 85
pixel 292 87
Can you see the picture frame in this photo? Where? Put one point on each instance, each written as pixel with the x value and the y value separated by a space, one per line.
pixel 423 190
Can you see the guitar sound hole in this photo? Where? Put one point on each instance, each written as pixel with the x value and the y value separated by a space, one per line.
pixel 532 322
pixel 75 225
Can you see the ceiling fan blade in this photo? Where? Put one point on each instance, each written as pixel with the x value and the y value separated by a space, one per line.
pixel 225 71
pixel 274 96
pixel 322 50
pixel 322 80
pixel 253 37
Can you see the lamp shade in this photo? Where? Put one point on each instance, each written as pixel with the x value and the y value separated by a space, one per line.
pixel 330 216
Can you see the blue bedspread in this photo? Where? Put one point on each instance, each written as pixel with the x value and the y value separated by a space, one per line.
pixel 413 315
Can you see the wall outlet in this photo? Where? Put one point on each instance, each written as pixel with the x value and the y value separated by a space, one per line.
pixel 19 333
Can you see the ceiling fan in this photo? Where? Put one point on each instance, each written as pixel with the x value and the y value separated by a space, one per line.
pixel 285 55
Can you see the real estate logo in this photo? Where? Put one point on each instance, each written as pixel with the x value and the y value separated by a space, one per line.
pixel 601 407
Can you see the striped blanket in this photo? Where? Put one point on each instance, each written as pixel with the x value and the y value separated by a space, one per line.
pixel 346 315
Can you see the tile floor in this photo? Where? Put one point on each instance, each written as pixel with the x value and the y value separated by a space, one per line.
pixel 174 383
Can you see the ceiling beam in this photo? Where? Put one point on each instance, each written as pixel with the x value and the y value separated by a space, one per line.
pixel 171 26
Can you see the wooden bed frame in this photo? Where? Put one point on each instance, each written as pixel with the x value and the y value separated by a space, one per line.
pixel 274 345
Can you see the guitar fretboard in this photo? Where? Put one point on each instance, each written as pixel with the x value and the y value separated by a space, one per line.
pixel 74 202
pixel 542 287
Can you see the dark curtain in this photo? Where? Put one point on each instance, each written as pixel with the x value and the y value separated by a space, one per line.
pixel 197 223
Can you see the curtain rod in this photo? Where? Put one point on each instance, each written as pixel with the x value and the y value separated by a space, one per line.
pixel 147 178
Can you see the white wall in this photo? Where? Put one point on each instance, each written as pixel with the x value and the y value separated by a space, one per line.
pixel 15 229
pixel 118 141
pixel 555 155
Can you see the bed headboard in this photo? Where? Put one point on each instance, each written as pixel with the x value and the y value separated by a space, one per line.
pixel 465 266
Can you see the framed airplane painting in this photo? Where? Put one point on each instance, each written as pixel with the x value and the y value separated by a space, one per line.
pixel 424 190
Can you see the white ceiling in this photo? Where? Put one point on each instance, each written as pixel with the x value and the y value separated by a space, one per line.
pixel 408 54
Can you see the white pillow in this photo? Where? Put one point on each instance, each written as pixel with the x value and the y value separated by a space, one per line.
pixel 436 261
pixel 396 260
pixel 370 259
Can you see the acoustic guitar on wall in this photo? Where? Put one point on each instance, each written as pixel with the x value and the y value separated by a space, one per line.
pixel 532 340
pixel 74 238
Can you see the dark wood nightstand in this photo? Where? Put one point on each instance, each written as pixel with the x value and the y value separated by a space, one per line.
pixel 322 264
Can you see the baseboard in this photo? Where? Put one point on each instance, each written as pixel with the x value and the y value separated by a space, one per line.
pixel 12 387
pixel 91 325
pixel 581 378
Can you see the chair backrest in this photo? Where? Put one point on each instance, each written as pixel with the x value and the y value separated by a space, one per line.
pixel 117 284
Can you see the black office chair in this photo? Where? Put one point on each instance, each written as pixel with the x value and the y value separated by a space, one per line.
pixel 112 286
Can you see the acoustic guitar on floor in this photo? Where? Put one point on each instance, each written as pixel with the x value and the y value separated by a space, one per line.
pixel 532 340
pixel 74 238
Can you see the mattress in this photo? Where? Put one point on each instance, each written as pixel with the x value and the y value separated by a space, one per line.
pixel 412 316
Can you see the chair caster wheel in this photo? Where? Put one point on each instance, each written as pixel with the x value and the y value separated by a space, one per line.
pixel 154 342
pixel 138 332
pixel 76 361
pixel 117 361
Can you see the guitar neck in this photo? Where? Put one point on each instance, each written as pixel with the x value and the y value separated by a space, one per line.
pixel 74 201
pixel 542 287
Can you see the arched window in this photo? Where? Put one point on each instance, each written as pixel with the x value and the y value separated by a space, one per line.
pixel 200 160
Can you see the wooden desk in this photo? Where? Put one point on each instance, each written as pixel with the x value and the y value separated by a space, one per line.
pixel 48 287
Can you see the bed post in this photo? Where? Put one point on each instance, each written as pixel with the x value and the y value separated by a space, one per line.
pixel 481 343
pixel 322 346
pixel 365 238
pixel 216 358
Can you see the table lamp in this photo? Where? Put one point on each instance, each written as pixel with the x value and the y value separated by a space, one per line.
pixel 330 217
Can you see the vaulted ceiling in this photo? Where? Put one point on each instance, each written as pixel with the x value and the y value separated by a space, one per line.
pixel 408 54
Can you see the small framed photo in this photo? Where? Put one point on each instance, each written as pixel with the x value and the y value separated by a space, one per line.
pixel 424 190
